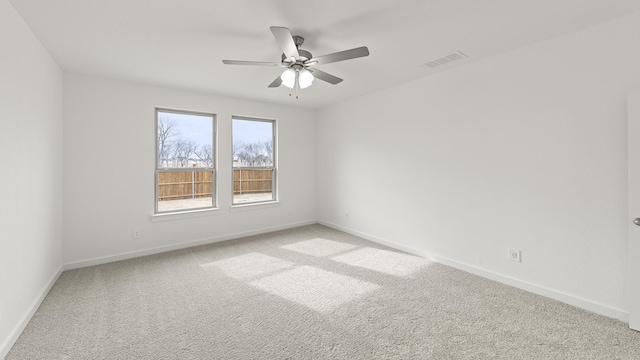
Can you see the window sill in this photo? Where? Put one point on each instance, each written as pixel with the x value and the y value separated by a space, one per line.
pixel 254 206
pixel 184 214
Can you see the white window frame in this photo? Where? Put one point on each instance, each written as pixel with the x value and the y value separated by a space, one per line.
pixel 273 168
pixel 214 175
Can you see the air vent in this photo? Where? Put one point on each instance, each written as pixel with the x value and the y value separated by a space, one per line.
pixel 445 59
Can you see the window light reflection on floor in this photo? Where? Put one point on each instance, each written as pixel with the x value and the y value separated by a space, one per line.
pixel 249 265
pixel 319 247
pixel 384 261
pixel 317 289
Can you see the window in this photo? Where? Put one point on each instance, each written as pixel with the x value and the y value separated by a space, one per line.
pixel 254 160
pixel 185 161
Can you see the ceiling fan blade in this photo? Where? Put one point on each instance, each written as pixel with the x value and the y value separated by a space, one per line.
pixel 258 63
pixel 325 77
pixel 285 40
pixel 276 82
pixel 340 56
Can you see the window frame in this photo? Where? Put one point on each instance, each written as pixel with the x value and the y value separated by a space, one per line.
pixel 273 168
pixel 213 168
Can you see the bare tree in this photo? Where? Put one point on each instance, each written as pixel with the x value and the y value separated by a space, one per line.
pixel 167 129
pixel 205 155
pixel 268 152
pixel 251 154
pixel 236 150
pixel 182 152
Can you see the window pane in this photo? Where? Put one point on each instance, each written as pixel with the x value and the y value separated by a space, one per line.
pixel 184 140
pixel 252 143
pixel 182 190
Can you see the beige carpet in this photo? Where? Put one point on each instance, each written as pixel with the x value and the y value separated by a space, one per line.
pixel 306 293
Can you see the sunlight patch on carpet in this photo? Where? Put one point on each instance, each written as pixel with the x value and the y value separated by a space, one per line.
pixel 319 247
pixel 246 266
pixel 317 289
pixel 384 261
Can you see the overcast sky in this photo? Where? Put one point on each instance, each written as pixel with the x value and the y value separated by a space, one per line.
pixel 199 128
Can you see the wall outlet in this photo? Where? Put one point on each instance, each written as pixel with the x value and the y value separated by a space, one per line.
pixel 347 215
pixel 514 255
pixel 136 233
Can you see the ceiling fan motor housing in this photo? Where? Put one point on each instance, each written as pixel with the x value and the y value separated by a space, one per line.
pixel 304 56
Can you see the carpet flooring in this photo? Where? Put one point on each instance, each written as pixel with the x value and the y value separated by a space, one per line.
pixel 306 293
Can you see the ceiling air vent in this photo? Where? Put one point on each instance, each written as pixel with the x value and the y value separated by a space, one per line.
pixel 445 59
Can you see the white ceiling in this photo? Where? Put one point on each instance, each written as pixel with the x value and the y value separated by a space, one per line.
pixel 180 43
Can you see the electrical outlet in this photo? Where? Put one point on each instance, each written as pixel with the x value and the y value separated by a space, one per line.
pixel 136 233
pixel 514 255
pixel 347 215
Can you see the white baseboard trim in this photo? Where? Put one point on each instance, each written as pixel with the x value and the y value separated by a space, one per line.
pixel 178 246
pixel 573 300
pixel 24 320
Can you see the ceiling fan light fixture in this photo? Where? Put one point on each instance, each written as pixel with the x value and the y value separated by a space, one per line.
pixel 305 78
pixel 288 78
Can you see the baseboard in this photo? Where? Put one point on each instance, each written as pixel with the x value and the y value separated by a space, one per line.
pixel 178 246
pixel 573 300
pixel 24 320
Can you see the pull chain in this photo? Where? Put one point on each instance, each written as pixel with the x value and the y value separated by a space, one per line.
pixel 297 83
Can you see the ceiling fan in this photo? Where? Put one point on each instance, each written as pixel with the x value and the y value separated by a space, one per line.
pixel 299 62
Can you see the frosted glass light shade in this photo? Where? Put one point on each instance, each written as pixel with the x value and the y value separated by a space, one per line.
pixel 288 78
pixel 305 78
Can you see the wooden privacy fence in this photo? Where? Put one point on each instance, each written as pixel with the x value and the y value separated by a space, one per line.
pixel 251 181
pixel 177 185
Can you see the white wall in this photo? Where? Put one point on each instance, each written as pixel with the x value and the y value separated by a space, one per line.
pixel 109 152
pixel 524 150
pixel 31 175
